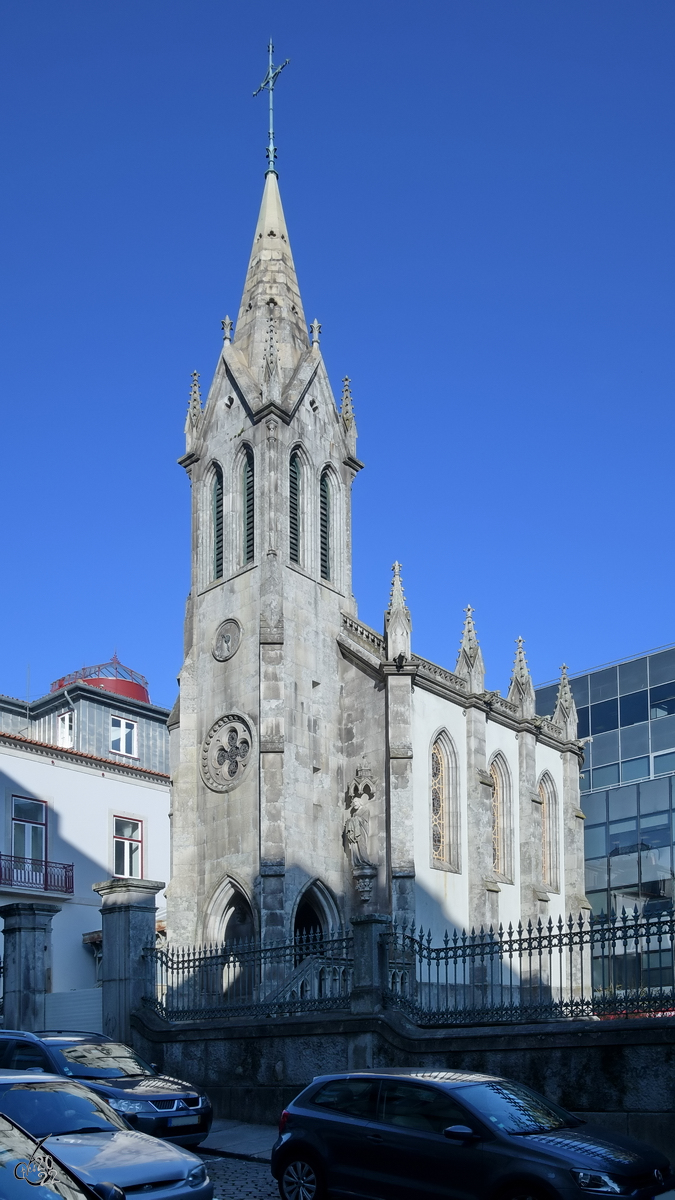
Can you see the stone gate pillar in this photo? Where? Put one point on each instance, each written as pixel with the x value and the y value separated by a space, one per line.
pixel 27 962
pixel 128 927
pixel 370 958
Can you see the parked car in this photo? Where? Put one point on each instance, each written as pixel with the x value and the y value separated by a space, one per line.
pixel 405 1135
pixel 155 1104
pixel 29 1172
pixel 96 1143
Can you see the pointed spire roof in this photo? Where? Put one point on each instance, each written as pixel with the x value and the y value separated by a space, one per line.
pixel 521 690
pixel 194 412
pixel 271 297
pixel 565 713
pixel 347 405
pixel 470 665
pixel 397 621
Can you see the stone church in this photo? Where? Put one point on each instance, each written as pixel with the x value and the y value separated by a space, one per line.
pixel 320 768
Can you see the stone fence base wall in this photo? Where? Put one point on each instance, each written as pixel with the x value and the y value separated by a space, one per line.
pixel 620 1073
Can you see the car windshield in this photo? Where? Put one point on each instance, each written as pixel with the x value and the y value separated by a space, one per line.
pixel 57 1108
pixel 515 1109
pixel 23 1163
pixel 103 1060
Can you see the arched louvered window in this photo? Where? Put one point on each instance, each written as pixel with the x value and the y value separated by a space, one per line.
pixel 550 843
pixel 445 838
pixel 324 499
pixel 249 502
pixel 294 509
pixel 217 522
pixel 502 831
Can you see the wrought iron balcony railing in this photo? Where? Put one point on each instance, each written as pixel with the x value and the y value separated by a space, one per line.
pixel 35 874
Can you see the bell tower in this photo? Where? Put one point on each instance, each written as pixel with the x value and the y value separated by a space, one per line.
pixel 255 733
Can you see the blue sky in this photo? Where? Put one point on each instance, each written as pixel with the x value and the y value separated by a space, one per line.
pixel 480 200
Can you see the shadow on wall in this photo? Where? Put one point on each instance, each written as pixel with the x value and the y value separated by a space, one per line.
pixel 23 878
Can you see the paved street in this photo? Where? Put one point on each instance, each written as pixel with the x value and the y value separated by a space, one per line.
pixel 234 1179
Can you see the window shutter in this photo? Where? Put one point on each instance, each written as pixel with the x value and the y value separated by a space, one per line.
pixel 325 526
pixel 249 544
pixel 294 509
pixel 218 523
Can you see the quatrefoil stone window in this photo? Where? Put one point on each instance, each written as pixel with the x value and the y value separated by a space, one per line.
pixel 226 753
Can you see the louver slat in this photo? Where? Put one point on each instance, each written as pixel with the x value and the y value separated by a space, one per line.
pixel 249 530
pixel 325 526
pixel 218 524
pixel 294 509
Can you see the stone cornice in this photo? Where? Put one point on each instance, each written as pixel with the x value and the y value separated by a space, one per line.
pixel 359 657
pixel 108 766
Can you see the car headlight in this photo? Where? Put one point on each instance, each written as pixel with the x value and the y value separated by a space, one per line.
pixel 596 1181
pixel 197 1176
pixel 204 1102
pixel 130 1106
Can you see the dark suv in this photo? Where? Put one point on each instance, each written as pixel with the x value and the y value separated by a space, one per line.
pixel 151 1103
pixel 404 1135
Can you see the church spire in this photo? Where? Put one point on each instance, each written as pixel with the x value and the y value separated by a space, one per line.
pixel 397 622
pixel 565 713
pixel 470 664
pixel 194 412
pixel 521 691
pixel 271 304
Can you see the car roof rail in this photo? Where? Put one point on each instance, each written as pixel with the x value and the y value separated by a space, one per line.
pixel 24 1033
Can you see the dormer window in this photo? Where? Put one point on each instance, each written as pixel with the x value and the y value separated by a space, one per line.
pixel 123 736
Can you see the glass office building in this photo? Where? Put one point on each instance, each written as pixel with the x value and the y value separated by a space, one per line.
pixel 627 710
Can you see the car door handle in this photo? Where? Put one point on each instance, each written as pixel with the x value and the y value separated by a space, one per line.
pixel 375 1137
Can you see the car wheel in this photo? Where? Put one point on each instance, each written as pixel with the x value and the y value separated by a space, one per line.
pixel 301 1179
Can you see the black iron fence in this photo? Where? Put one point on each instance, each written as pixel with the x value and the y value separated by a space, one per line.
pixel 35 874
pixel 584 967
pixel 238 979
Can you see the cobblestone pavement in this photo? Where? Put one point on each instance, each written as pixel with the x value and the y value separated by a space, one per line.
pixel 236 1179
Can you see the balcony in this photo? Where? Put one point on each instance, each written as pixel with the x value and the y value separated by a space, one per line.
pixel 35 874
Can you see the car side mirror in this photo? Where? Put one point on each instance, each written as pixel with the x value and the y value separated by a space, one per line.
pixel 109 1191
pixel 459 1133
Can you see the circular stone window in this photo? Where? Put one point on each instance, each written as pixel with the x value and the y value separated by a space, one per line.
pixel 226 753
pixel 226 640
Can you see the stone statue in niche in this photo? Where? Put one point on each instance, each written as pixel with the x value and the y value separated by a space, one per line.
pixel 356 832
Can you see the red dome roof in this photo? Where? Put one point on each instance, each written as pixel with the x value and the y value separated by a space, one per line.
pixel 110 677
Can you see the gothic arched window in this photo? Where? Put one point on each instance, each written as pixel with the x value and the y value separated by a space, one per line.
pixel 294 508
pixel 248 507
pixel 550 844
pixel 445 837
pixel 502 825
pixel 217 521
pixel 324 524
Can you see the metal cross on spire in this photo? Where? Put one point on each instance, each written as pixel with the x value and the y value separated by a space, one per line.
pixel 268 83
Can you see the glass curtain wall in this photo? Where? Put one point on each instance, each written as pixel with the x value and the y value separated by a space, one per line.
pixel 627 711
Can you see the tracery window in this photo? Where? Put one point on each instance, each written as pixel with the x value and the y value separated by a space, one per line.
pixel 294 508
pixel 502 830
pixel 445 833
pixel 249 507
pixel 217 521
pixel 438 804
pixel 550 843
pixel 325 551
